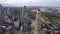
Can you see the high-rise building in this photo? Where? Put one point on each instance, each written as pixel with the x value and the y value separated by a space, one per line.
pixel 38 23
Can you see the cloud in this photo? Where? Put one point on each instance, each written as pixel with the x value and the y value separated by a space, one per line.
pixel 42 2
pixel 32 2
pixel 2 1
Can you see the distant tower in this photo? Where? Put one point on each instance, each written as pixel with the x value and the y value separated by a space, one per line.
pixel 1 11
pixel 23 14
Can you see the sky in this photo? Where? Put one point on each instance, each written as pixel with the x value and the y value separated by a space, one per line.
pixel 53 3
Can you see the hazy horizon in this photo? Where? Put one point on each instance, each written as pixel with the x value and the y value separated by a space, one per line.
pixel 45 3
